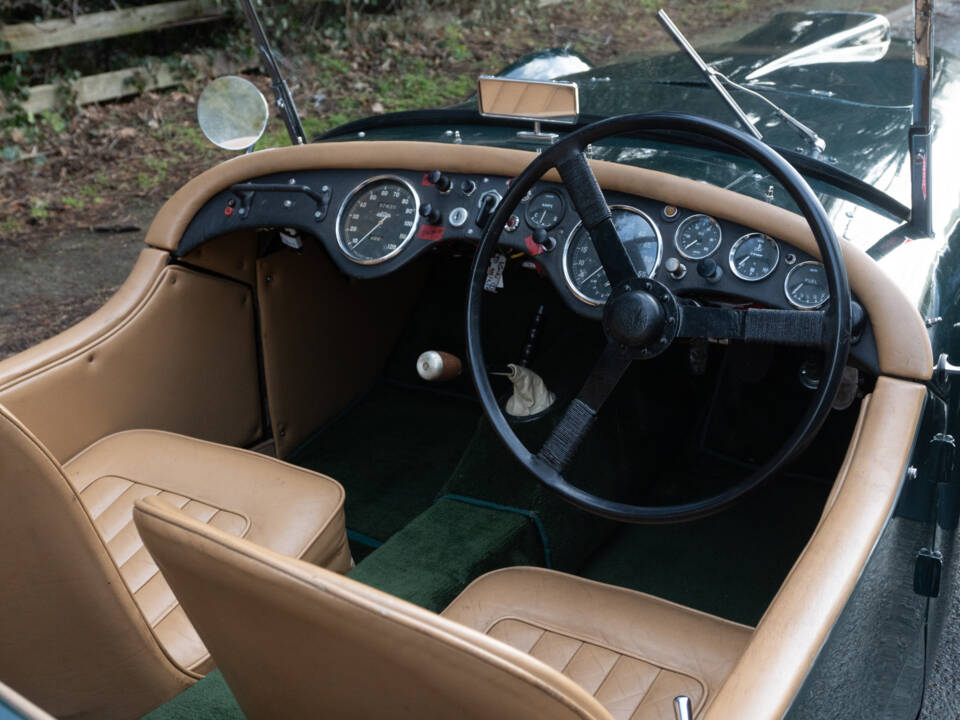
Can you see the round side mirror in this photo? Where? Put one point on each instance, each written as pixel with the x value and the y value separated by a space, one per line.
pixel 232 113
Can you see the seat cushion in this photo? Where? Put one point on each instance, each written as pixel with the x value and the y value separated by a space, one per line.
pixel 290 510
pixel 632 651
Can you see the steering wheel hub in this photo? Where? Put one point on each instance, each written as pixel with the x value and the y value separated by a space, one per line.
pixel 643 315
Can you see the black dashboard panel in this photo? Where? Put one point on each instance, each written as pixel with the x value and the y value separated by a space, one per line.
pixel 312 201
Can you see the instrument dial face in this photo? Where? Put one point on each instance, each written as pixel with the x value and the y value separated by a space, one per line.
pixel 545 210
pixel 754 257
pixel 581 265
pixel 698 237
pixel 806 286
pixel 377 219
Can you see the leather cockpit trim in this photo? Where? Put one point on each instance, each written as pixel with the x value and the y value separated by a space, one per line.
pixel 790 634
pixel 135 292
pixel 903 345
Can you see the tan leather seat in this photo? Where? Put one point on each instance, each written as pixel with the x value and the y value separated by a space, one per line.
pixel 291 638
pixel 90 628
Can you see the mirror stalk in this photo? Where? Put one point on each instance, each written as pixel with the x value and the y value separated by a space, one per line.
pixel 281 92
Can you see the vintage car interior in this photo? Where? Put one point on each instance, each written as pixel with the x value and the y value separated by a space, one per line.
pixel 279 450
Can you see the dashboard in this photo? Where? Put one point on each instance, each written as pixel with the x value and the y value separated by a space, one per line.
pixel 374 222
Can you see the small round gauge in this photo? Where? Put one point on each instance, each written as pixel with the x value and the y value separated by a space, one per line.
pixel 806 286
pixel 581 264
pixel 545 210
pixel 754 257
pixel 377 219
pixel 697 237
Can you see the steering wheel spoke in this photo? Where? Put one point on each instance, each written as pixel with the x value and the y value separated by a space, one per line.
pixel 560 448
pixel 593 210
pixel 800 328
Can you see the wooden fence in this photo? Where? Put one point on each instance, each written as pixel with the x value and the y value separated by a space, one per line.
pixel 29 37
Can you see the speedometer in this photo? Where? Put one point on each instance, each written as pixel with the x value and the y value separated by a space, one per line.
pixel 377 219
pixel 806 286
pixel 581 264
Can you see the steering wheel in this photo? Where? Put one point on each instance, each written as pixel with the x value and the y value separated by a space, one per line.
pixel 642 317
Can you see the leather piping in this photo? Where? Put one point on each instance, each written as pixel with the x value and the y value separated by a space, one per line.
pixel 903 345
pixel 19 704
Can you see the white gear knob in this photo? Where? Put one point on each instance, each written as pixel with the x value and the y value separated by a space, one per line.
pixel 438 366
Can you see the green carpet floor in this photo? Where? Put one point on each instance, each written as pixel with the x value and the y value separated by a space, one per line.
pixel 730 564
pixel 392 452
pixel 433 558
pixel 209 699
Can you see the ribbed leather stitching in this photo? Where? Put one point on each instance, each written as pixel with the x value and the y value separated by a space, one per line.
pixel 109 499
pixel 627 687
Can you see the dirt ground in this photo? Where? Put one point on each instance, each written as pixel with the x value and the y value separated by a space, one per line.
pixel 76 202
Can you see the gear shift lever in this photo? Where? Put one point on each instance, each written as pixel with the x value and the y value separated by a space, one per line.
pixel 682 708
pixel 438 366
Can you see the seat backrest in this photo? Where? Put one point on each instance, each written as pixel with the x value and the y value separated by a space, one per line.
pixel 295 640
pixel 71 637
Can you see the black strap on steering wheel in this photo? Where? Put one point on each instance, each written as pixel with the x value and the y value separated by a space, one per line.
pixel 642 317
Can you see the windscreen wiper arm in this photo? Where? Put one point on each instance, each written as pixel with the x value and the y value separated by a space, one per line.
pixel 716 79
pixel 281 93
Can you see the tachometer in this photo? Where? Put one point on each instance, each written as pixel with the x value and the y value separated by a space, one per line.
pixel 697 237
pixel 545 210
pixel 754 257
pixel 806 286
pixel 581 265
pixel 377 219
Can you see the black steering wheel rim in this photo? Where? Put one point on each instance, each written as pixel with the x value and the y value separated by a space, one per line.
pixel 837 321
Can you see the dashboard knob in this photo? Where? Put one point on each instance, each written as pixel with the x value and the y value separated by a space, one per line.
pixel 431 214
pixel 467 187
pixel 442 182
pixel 675 268
pixel 709 270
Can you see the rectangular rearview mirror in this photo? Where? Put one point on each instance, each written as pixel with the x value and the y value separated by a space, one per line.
pixel 534 100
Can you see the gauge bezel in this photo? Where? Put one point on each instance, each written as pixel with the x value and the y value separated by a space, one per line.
pixel 566 252
pixel 738 243
pixel 683 223
pixel 786 288
pixel 413 230
pixel 563 209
